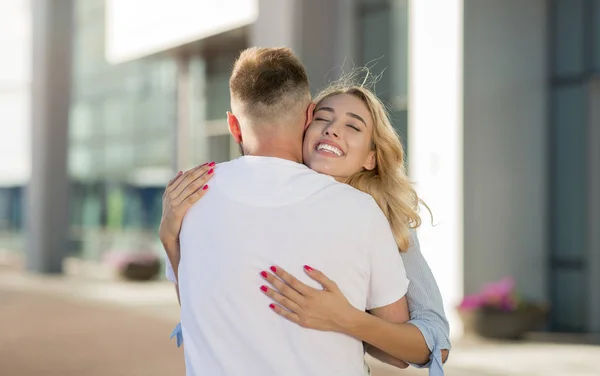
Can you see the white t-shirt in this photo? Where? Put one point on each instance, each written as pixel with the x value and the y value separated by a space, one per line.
pixel 259 212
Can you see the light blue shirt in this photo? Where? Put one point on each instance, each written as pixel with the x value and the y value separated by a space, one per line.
pixel 425 304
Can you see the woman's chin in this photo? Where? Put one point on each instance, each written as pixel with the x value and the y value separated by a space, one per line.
pixel 326 169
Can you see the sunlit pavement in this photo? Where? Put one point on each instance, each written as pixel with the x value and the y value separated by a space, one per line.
pixel 74 326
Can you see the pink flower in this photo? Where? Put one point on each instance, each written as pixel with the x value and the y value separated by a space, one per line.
pixel 499 295
pixel 471 302
pixel 498 290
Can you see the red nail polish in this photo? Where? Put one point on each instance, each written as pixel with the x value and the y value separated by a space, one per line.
pixel 180 172
pixel 211 164
pixel 264 274
pixel 211 171
pixel 274 269
pixel 205 188
pixel 308 268
pixel 264 288
pixel 272 306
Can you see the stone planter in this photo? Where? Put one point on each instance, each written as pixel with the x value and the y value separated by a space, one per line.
pixel 496 324
pixel 137 271
pixel 135 266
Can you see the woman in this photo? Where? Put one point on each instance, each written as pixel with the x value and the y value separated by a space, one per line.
pixel 351 139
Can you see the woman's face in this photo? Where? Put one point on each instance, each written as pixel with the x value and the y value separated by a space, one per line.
pixel 338 141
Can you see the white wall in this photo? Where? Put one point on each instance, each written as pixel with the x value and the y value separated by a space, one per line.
pixel 14 92
pixel 505 144
pixel 435 135
pixel 137 28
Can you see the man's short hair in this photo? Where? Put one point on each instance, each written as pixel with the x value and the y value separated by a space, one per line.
pixel 267 80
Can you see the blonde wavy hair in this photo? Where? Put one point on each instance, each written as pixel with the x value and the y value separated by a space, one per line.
pixel 387 182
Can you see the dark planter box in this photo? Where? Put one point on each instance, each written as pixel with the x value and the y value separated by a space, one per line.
pixel 496 324
pixel 141 271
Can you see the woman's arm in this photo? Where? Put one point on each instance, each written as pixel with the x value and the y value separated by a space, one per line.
pixel 428 325
pixel 386 330
pixel 426 305
pixel 329 310
pixel 180 194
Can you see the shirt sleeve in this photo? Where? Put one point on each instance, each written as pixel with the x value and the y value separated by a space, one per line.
pixel 388 282
pixel 169 272
pixel 425 303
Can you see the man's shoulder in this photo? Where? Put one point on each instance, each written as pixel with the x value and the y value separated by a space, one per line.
pixel 352 196
pixel 225 165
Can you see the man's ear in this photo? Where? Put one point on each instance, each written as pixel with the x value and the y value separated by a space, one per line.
pixel 234 127
pixel 371 161
pixel 310 113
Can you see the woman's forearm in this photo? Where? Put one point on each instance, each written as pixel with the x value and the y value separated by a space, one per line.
pixel 402 341
pixel 174 255
pixel 384 357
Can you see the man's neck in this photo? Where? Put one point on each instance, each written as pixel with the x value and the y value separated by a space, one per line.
pixel 289 152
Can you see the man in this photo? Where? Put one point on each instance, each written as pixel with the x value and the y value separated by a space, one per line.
pixel 267 208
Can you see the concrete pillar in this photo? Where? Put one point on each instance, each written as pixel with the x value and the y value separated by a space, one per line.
pixel 47 194
pixel 506 133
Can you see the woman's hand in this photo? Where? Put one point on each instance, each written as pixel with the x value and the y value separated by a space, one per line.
pixel 181 193
pixel 326 309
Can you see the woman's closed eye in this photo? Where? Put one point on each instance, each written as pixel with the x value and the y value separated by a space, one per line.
pixel 353 127
pixel 320 119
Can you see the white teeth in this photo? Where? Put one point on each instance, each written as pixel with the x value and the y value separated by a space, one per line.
pixel 330 148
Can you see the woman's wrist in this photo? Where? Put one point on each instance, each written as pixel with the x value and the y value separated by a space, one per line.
pixel 353 322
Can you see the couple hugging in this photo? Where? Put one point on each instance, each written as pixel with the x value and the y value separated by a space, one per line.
pixel 300 255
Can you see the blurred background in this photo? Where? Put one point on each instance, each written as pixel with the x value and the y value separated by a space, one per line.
pixel 103 101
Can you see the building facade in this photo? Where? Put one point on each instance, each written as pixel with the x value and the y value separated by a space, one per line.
pixel 497 103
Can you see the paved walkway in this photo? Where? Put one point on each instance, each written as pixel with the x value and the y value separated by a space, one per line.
pixel 75 326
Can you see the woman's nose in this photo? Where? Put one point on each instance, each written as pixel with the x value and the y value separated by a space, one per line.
pixel 332 131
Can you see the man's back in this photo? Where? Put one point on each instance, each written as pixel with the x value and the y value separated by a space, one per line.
pixel 265 211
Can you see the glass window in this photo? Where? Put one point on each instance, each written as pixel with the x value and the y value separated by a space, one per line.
pixel 80 161
pixel 375 49
pixel 154 152
pixel 399 59
pixel 91 210
pixel 219 148
pixel 596 35
pixel 383 31
pixel 118 158
pixel 81 122
pixel 569 172
pixel 570 295
pixel 217 96
pixel 568 37
pixel 122 123
pixel 218 70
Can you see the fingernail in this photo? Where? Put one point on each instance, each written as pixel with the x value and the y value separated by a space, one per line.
pixel 308 268
pixel 211 164
pixel 211 171
pixel 205 187
pixel 274 269
pixel 264 274
pixel 264 288
pixel 180 172
pixel 272 306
